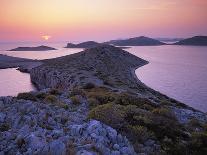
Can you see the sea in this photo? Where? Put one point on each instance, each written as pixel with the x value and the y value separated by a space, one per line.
pixel 179 72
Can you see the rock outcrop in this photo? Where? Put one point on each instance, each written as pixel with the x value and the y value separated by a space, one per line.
pixel 41 126
pixel 38 48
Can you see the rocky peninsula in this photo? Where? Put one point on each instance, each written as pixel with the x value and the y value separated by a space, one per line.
pixel 24 65
pixel 92 103
pixel 38 48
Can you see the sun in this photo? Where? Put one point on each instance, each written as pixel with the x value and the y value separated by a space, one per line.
pixel 46 37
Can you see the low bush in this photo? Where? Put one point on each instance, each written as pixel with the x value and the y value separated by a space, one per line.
pixel 27 96
pixel 110 114
pixel 75 99
pixel 198 143
pixel 51 99
pixel 93 103
pixel 102 95
pixel 77 91
pixel 162 111
pixel 140 133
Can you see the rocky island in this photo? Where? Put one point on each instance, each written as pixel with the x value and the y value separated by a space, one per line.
pixel 88 44
pixel 137 41
pixel 92 103
pixel 38 48
pixel 194 41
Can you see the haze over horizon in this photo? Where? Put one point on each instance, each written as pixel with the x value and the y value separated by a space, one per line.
pixel 101 20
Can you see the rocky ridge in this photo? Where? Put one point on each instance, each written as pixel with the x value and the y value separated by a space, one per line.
pixel 34 125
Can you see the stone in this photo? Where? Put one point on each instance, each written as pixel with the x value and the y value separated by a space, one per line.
pixel 84 152
pixel 126 150
pixel 35 142
pixel 112 133
pixel 149 142
pixel 116 147
pixel 2 117
pixel 115 153
pixel 76 130
pixel 57 148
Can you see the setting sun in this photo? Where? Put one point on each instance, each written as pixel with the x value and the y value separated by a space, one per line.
pixel 46 37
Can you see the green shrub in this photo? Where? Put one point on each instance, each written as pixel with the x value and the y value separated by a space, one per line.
pixel 110 114
pixel 164 112
pixel 27 96
pixel 75 100
pixel 77 91
pixel 128 99
pixel 93 102
pixel 51 99
pixel 103 95
pixel 140 133
pixel 198 143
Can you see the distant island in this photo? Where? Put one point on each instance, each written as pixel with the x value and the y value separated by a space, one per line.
pixel 169 39
pixel 87 44
pixel 38 48
pixel 137 41
pixel 196 41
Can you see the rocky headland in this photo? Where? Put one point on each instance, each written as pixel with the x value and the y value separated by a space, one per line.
pixel 38 48
pixel 92 103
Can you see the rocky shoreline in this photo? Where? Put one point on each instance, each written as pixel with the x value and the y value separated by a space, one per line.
pixel 93 103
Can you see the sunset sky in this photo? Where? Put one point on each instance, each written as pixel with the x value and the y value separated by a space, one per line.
pixel 79 20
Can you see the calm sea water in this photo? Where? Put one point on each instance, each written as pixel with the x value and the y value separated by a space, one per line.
pixel 177 71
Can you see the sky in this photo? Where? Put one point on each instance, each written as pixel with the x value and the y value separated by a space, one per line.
pixel 100 20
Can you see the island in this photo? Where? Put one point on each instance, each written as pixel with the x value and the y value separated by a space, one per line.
pixel 194 41
pixel 137 41
pixel 92 102
pixel 87 44
pixel 38 48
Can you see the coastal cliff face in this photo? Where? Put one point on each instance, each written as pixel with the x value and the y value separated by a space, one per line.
pixel 103 65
